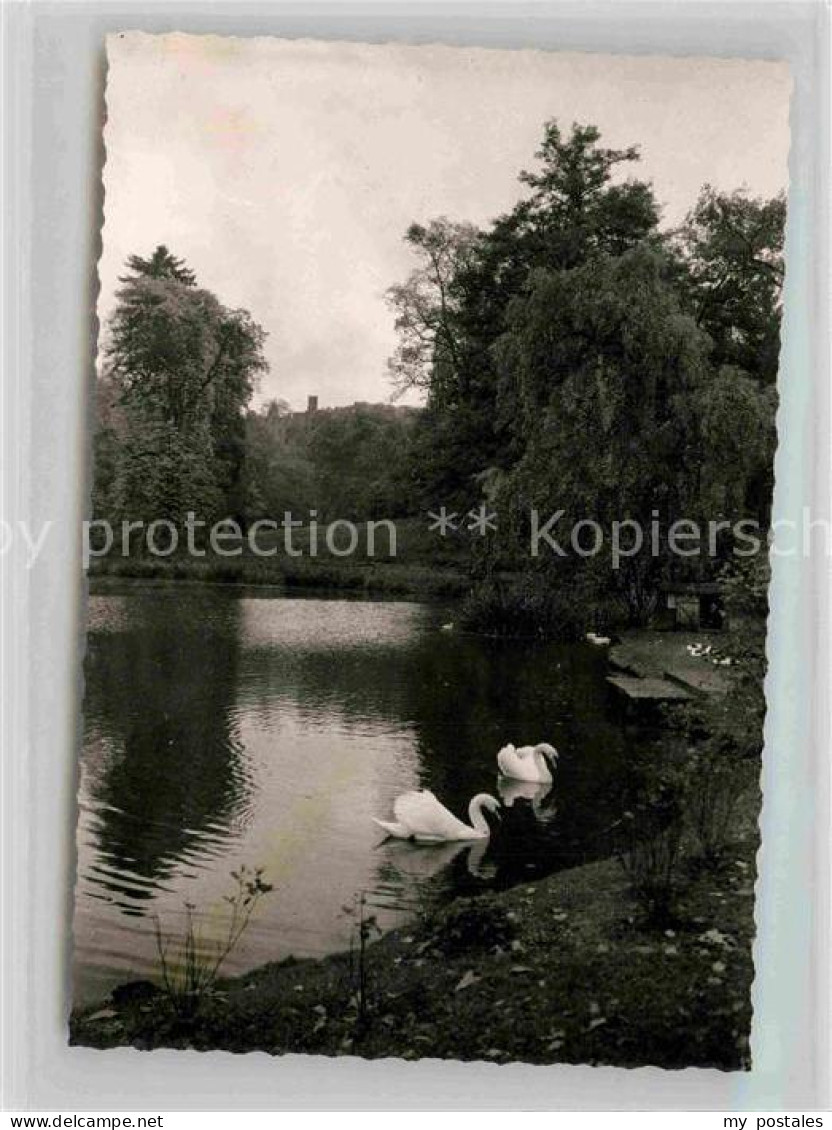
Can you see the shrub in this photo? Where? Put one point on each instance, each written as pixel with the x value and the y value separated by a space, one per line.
pixel 525 608
pixel 188 970
pixel 365 928
pixel 650 843
pixel 712 798
pixel 476 925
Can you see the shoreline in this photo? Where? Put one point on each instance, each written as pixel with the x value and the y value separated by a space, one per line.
pixel 563 969
pixel 493 977
pixel 365 578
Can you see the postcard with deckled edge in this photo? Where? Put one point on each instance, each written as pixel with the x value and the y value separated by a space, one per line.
pixel 428 552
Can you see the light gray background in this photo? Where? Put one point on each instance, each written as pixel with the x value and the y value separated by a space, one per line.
pixel 54 78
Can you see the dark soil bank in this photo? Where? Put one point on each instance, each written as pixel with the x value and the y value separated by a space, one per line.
pixel 560 971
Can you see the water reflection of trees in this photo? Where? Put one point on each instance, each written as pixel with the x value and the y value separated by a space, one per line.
pixel 165 690
pixel 160 694
pixel 525 693
pixel 465 697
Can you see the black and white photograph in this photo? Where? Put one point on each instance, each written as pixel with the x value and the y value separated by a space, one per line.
pixel 428 552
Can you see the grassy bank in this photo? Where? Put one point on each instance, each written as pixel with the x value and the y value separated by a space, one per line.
pixel 387 577
pixel 649 654
pixel 561 971
pixel 418 566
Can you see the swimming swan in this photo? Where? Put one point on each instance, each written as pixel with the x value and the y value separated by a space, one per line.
pixel 529 763
pixel 420 816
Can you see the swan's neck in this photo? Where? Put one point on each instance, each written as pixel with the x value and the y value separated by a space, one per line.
pixel 543 765
pixel 475 815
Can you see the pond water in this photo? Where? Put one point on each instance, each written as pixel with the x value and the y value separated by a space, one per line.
pixel 223 728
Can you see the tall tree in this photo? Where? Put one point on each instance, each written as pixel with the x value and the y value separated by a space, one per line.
pixel 427 308
pixel 185 368
pixel 604 370
pixel 161 265
pixel 731 248
pixel 623 415
pixel 574 209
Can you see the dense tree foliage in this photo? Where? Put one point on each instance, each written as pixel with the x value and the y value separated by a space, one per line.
pixel 352 463
pixel 162 265
pixel 465 282
pixel 573 356
pixel 731 246
pixel 576 357
pixel 179 370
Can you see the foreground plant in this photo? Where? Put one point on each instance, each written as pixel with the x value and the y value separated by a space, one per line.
pixel 713 797
pixel 189 969
pixel 650 844
pixel 365 928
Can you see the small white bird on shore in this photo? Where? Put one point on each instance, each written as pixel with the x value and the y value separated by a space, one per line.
pixel 420 816
pixel 699 650
pixel 528 763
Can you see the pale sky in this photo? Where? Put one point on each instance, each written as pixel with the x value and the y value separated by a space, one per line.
pixel 285 173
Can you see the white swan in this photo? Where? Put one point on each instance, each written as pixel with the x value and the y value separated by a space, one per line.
pixel 420 816
pixel 529 763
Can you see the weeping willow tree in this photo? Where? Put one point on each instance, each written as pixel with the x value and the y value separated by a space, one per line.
pixel 574 356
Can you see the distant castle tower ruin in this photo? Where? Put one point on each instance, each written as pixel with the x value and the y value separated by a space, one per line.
pixel 311 405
